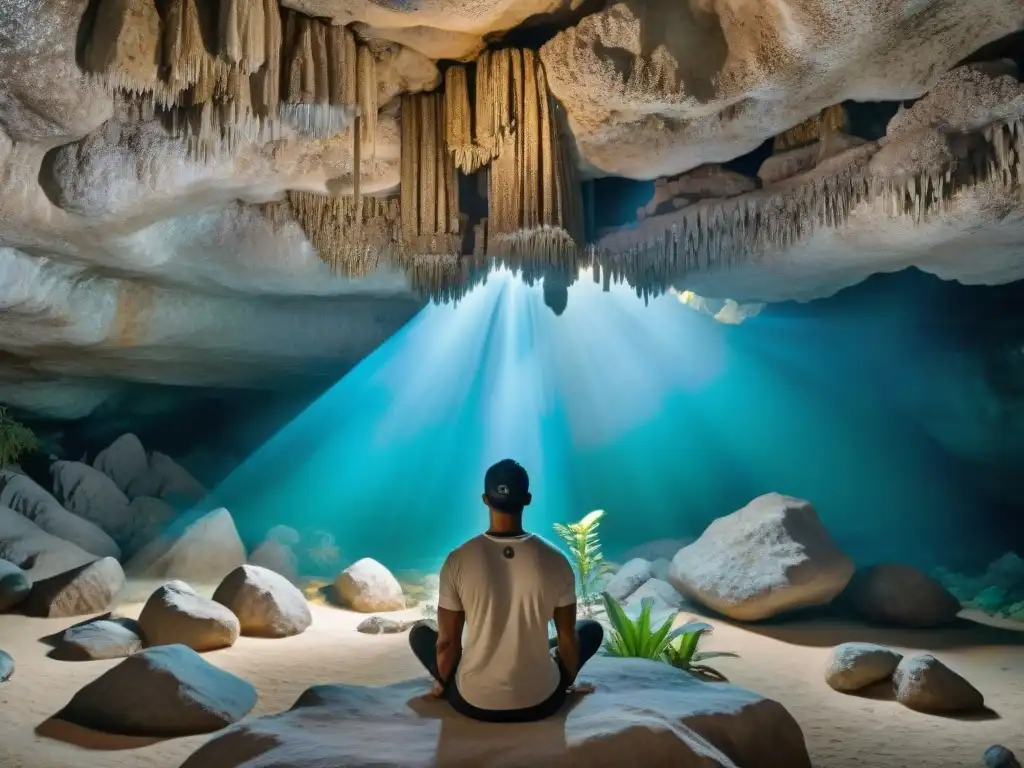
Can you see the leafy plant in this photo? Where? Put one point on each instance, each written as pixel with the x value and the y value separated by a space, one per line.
pixel 637 638
pixel 584 546
pixel 15 439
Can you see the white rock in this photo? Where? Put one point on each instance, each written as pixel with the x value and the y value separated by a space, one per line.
pixel 90 588
pixel 643 713
pixel 38 553
pixel 772 556
pixel 92 495
pixel 175 614
pixel 628 579
pixel 898 595
pixel 266 603
pixel 123 460
pixel 201 552
pixel 15 585
pixel 101 639
pixel 368 586
pixel 853 666
pixel 926 684
pixel 167 691
pixel 21 494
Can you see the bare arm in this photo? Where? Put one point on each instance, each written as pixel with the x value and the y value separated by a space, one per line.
pixel 449 641
pixel 568 642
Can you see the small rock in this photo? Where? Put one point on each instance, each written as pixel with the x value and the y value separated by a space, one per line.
pixel 167 691
pixel 90 588
pixel 853 666
pixel 629 578
pixel 266 603
pixel 378 625
pixel 101 639
pixel 15 585
pixel 998 756
pixel 175 614
pixel 6 666
pixel 368 586
pixel 898 595
pixel 926 684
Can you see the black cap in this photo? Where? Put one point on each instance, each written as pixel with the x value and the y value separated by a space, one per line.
pixel 507 486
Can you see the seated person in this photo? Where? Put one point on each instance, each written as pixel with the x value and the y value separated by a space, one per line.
pixel 505 585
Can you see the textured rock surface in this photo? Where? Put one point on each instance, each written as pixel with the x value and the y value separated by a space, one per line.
pixel 167 691
pixel 926 684
pixel 87 589
pixel 772 556
pixel 266 603
pixel 368 586
pixel 628 579
pixel 852 666
pixel 642 713
pixel 14 585
pixel 101 639
pixel 899 595
pixel 203 551
pixel 90 494
pixel 38 553
pixel 174 614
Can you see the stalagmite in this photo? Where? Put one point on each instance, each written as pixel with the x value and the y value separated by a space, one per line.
pixel 829 120
pixel 124 49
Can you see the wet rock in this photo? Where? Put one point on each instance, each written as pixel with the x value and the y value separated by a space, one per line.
pixel 770 557
pixel 39 554
pixel 25 497
pixel 93 496
pixel 101 639
pixel 694 723
pixel 926 684
pixel 6 666
pixel 628 579
pixel 368 586
pixel 378 625
pixel 203 550
pixel 853 666
pixel 266 603
pixel 998 756
pixel 898 595
pixel 15 585
pixel 90 588
pixel 175 614
pixel 167 691
pixel 123 460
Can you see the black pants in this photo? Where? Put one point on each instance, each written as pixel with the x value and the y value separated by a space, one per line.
pixel 423 640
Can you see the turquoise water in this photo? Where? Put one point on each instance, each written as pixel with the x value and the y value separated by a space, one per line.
pixel 659 415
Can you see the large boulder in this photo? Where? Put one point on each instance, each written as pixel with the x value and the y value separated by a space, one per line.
pixel 90 588
pixel 166 479
pixel 642 713
pixel 175 614
pixel 24 496
pixel 167 692
pixel 770 557
pixel 853 666
pixel 123 460
pixel 265 602
pixel 92 495
pixel 898 595
pixel 628 579
pixel 15 585
pixel 368 586
pixel 100 639
pixel 199 550
pixel 151 517
pixel 38 553
pixel 926 684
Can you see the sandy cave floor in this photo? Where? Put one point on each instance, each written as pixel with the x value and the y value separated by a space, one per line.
pixel 784 662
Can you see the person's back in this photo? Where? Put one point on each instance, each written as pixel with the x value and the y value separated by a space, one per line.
pixel 509 588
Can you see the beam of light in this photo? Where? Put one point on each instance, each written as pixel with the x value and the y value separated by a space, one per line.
pixel 660 415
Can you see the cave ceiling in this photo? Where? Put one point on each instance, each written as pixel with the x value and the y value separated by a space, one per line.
pixel 231 192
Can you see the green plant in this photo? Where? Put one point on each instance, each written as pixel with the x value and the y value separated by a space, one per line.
pixel 584 546
pixel 637 638
pixel 15 439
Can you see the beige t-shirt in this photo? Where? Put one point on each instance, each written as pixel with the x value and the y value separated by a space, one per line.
pixel 509 589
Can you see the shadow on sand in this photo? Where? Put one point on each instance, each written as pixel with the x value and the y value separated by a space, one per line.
pixel 883 691
pixel 62 652
pixel 61 730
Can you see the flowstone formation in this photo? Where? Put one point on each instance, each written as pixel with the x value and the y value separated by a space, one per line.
pixel 231 192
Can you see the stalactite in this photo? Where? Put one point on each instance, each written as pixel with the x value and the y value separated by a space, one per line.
pixel 366 95
pixel 242 34
pixel 267 80
pixel 829 120
pixel 125 50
